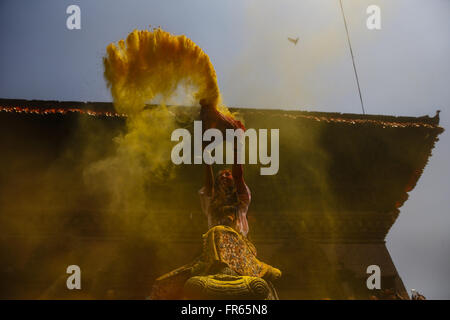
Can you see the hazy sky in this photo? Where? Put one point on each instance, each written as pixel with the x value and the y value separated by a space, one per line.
pixel 404 69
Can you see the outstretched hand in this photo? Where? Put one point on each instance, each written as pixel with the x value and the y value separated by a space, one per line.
pixel 212 118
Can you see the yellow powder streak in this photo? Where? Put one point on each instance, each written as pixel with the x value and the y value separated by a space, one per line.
pixel 155 63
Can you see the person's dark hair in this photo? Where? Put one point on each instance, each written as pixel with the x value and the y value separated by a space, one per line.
pixel 225 201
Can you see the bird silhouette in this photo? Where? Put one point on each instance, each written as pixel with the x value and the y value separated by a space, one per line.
pixel 294 41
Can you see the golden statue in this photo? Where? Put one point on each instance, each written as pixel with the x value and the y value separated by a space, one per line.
pixel 228 267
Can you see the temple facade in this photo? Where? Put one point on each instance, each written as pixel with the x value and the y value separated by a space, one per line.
pixel 322 219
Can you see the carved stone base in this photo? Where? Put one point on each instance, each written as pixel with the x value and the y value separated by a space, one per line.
pixel 228 287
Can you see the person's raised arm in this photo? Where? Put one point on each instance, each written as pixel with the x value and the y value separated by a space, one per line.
pixel 209 180
pixel 212 118
pixel 208 117
pixel 238 176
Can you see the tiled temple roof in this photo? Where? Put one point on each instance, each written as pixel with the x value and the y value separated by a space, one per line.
pixel 107 109
pixel 350 167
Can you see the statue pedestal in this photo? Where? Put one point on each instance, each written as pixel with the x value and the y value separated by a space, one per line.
pixel 227 269
pixel 227 287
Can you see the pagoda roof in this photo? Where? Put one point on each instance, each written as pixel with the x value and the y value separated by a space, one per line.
pixel 344 172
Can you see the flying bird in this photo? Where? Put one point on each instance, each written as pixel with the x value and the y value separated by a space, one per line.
pixel 294 41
